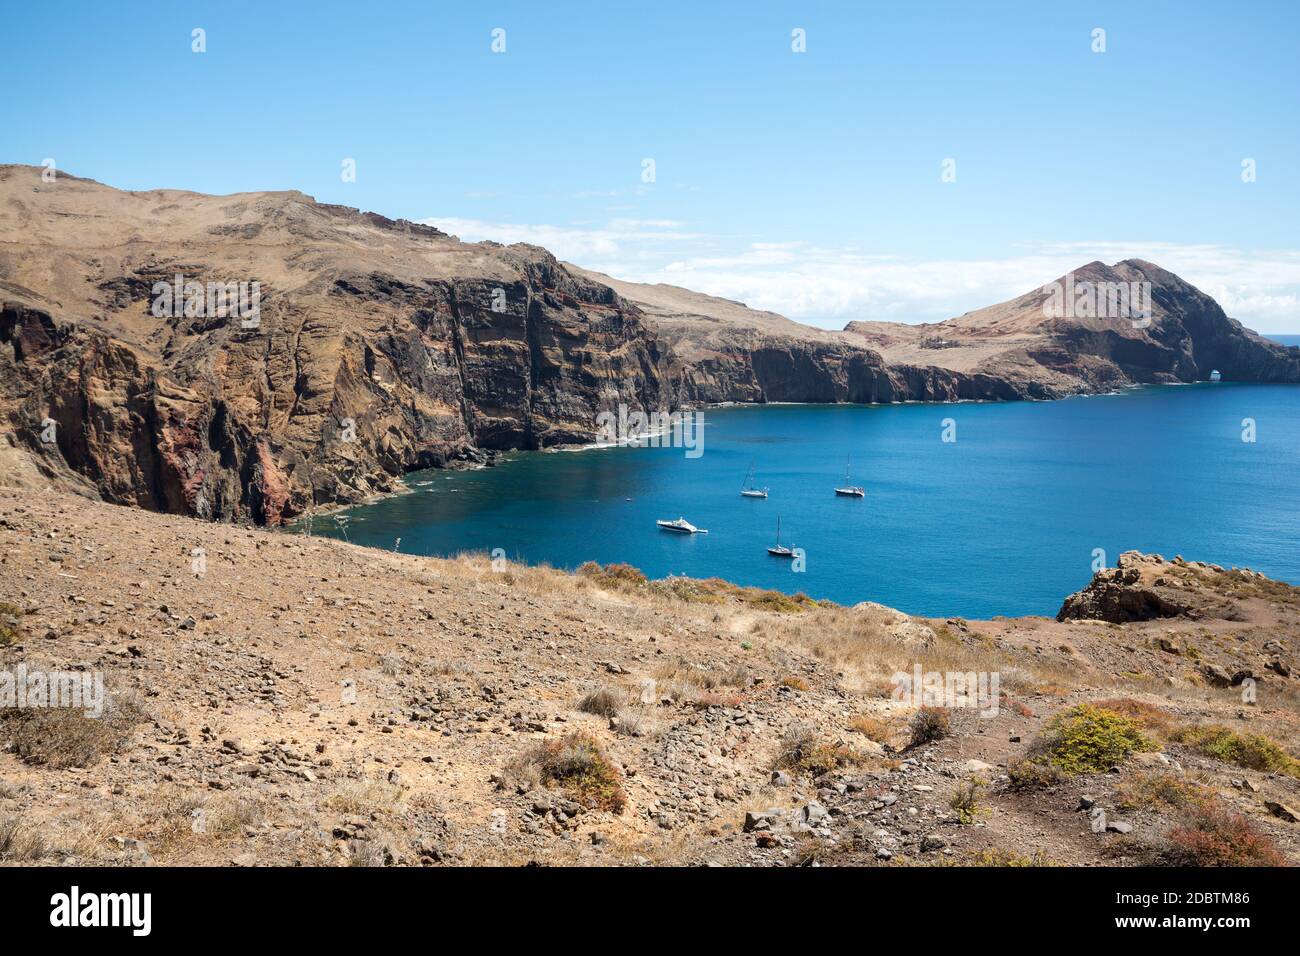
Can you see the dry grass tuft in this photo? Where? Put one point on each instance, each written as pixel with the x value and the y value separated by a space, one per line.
pixel 19 842
pixel 576 765
pixel 1033 775
pixel 1212 835
pixel 804 751
pixel 364 796
pixel 369 853
pixel 928 725
pixel 11 623
pixel 62 737
pixel 1160 792
pixel 873 728
pixel 605 702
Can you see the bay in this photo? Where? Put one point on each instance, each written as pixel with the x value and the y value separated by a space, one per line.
pixel 1006 519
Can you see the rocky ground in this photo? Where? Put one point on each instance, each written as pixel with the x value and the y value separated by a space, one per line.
pixel 280 700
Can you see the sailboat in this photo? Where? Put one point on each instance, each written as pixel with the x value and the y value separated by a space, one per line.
pixel 779 550
pixel 850 491
pixel 749 491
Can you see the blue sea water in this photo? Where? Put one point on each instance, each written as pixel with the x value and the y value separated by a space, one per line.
pixel 1004 520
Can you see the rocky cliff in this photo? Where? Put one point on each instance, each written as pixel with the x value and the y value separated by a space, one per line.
pixel 724 351
pixel 379 346
pixel 253 356
pixel 782 369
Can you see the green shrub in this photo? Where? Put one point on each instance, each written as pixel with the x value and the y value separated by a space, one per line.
pixel 1253 751
pixel 1090 739
pixel 965 800
pixel 1148 715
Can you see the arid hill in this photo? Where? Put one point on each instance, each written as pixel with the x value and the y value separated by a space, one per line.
pixel 381 346
pixel 1028 347
pixel 278 699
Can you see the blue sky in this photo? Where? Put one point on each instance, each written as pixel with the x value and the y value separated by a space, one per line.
pixel 805 182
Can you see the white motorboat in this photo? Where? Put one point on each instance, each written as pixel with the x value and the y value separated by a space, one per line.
pixel 681 526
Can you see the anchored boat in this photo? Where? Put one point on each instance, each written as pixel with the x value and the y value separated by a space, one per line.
pixel 681 526
pixel 749 491
pixel 779 550
pixel 850 490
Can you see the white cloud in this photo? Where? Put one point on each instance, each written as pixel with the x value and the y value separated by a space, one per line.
pixel 828 286
pixel 620 240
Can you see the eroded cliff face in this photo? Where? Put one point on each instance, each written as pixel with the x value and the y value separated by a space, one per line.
pixel 380 347
pixel 264 424
pixel 785 369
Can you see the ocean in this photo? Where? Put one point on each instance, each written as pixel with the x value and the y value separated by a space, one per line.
pixel 1008 518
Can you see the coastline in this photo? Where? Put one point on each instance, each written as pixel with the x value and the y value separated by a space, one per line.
pixel 619 497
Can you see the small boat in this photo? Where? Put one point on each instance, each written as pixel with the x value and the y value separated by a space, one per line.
pixel 681 526
pixel 1216 376
pixel 850 491
pixel 749 491
pixel 779 550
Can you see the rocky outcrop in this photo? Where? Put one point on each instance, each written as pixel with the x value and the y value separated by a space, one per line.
pixel 1147 587
pixel 1117 595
